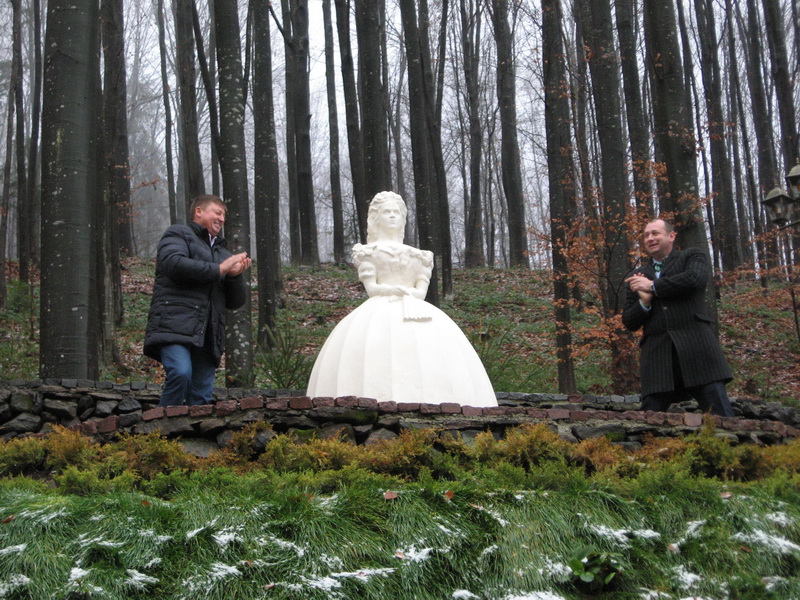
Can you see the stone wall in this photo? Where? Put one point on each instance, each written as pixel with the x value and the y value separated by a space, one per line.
pixel 104 410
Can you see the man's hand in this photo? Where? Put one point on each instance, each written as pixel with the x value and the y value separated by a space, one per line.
pixel 235 265
pixel 643 286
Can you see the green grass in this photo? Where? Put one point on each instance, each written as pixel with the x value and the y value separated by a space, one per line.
pixel 265 535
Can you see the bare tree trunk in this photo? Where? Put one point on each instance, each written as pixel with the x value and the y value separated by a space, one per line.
pixel 638 130
pixel 118 189
pixel 5 199
pixel 470 43
pixel 177 214
pixel 339 255
pixel 194 182
pixel 301 103
pixel 561 175
pixel 773 23
pixel 604 67
pixel 369 20
pixel 207 76
pixel 239 331
pixel 425 187
pixel 507 100
pixel 352 120
pixel 33 139
pixel 672 125
pixel 266 175
pixel 725 229
pixel 25 249
pixel 295 235
pixel 70 132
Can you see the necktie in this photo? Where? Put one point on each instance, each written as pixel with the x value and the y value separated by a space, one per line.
pixel 657 267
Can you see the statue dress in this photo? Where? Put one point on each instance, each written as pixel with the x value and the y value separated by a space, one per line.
pixel 396 346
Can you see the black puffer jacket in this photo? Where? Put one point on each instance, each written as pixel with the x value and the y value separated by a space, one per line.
pixel 189 294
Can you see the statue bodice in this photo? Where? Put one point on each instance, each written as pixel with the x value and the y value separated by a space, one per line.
pixel 392 263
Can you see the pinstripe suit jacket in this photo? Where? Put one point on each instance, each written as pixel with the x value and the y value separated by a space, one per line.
pixel 677 317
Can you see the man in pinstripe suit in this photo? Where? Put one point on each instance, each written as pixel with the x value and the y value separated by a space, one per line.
pixel 680 353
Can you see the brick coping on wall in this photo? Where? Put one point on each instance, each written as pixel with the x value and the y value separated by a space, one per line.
pixel 104 410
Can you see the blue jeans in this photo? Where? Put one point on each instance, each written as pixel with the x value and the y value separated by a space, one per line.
pixel 189 375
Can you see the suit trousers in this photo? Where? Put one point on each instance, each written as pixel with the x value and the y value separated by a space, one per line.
pixel 711 397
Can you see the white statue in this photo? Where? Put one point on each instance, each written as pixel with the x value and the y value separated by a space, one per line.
pixel 395 346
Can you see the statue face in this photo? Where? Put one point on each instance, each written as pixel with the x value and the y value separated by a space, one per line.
pixel 389 217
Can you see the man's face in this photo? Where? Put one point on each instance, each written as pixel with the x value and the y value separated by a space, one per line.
pixel 212 217
pixel 657 241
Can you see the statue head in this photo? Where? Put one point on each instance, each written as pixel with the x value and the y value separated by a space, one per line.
pixel 387 218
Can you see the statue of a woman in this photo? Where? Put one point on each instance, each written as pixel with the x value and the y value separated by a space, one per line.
pixel 395 346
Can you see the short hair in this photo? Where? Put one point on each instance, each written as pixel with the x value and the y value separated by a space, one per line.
pixel 668 227
pixel 203 201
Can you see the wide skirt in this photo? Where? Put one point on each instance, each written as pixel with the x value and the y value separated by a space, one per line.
pixel 400 349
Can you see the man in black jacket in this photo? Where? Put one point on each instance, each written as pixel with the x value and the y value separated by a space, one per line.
pixel 680 353
pixel 197 279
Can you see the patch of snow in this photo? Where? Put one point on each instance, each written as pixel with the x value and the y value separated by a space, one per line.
pixel 653 595
pixel 772 542
pixel 333 562
pixel 139 580
pixel 300 552
pixel 556 570
pixel 534 596
pixel 646 534
pixel 221 571
pixel 413 554
pixel 18 549
pixel 492 513
pixel 227 536
pixel 77 573
pixel 686 579
pixel 14 583
pixel 85 541
pixel 464 595
pixel 159 539
pixel 780 518
pixel 42 515
pixel 773 583
pixel 364 574
pixel 489 550
pixel 618 535
pixel 153 563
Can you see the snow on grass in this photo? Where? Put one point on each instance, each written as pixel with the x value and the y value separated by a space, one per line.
pixel 692 531
pixel 492 513
pixel 18 549
pixel 42 515
pixel 653 595
pixel 84 541
pixel 686 579
pixel 139 580
pixel 533 596
pixel 775 543
pixel 411 553
pixel 227 536
pixel 13 583
pixel 490 550
pixel 780 518
pixel 194 532
pixel 158 539
pixel 464 595
pixel 299 551
pixel 556 570
pixel 618 535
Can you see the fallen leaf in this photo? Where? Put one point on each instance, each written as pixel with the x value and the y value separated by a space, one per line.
pixel 673 548
pixel 726 495
pixel 745 549
pixel 7 519
pixel 390 495
pixel 399 554
pixel 449 495
pixel 147 503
